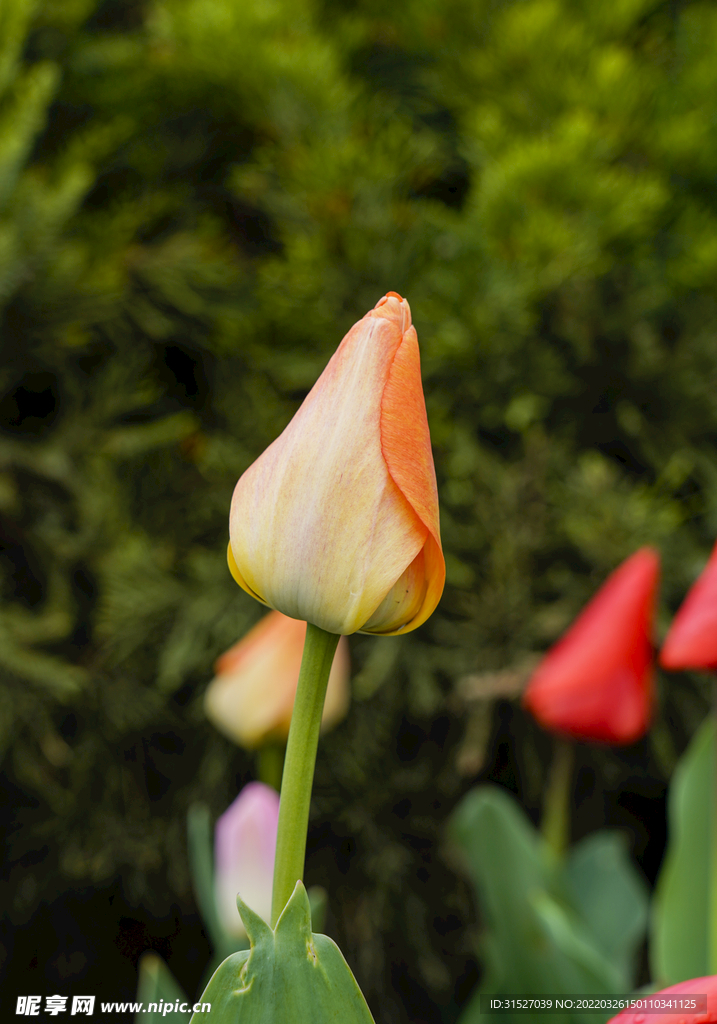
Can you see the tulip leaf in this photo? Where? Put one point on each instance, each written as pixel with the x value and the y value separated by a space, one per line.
pixel 583 958
pixel 611 897
pixel 157 985
pixel 290 975
pixel 680 922
pixel 527 902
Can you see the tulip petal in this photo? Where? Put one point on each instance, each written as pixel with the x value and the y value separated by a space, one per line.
pixel 669 1005
pixel 691 641
pixel 403 602
pixel 238 578
pixel 406 446
pixel 596 683
pixel 338 694
pixel 405 439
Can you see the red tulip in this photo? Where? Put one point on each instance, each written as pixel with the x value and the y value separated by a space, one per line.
pixel 596 682
pixel 691 641
pixel 673 1006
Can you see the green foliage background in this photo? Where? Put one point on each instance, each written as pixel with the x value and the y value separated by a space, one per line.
pixel 197 200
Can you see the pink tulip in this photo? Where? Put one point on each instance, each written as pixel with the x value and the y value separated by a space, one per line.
pixel 692 638
pixel 674 996
pixel 251 698
pixel 244 850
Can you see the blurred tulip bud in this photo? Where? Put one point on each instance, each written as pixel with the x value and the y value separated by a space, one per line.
pixel 244 851
pixel 596 683
pixel 691 641
pixel 674 996
pixel 251 698
pixel 337 522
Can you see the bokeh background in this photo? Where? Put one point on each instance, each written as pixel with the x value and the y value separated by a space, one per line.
pixel 197 199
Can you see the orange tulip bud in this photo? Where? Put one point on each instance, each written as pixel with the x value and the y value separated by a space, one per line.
pixel 673 1006
pixel 252 695
pixel 691 641
pixel 337 522
pixel 596 682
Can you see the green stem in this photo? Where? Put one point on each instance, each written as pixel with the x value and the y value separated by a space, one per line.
pixel 269 764
pixel 556 805
pixel 712 928
pixel 298 777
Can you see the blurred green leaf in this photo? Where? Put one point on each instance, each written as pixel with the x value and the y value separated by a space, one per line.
pixel 679 947
pixel 156 982
pixel 537 937
pixel 611 897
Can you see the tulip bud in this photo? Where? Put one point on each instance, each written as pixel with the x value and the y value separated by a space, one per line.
pixel 337 522
pixel 672 1005
pixel 251 698
pixel 596 682
pixel 244 851
pixel 691 641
